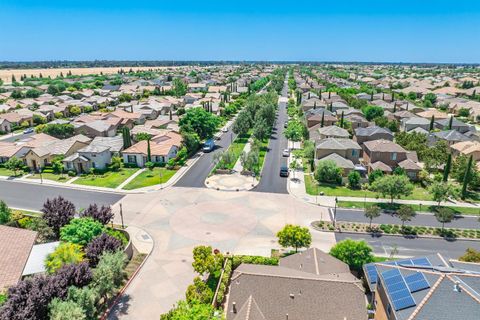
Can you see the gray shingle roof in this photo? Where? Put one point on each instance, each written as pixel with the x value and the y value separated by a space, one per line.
pixel 338 144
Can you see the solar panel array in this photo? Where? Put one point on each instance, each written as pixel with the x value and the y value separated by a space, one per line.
pixel 397 289
pixel 416 282
pixel 372 269
pixel 372 273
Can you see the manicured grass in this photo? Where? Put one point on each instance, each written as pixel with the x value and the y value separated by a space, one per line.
pixel 416 207
pixel 50 176
pixel 150 178
pixel 342 191
pixel 261 156
pixel 9 173
pixel 236 148
pixel 107 180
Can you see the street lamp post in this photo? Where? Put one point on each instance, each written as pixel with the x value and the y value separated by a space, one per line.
pixel 121 216
pixel 41 177
pixel 335 213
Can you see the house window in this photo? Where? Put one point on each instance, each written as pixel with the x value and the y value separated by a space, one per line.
pixel 69 165
pixel 393 156
pixel 131 159
pixel 94 165
pixel 354 153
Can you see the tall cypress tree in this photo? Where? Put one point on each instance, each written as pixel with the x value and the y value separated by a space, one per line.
pixel 394 107
pixel 450 123
pixel 393 96
pixel 341 120
pixel 432 122
pixel 323 119
pixel 149 153
pixel 447 168
pixel 127 139
pixel 466 177
pixel 13 79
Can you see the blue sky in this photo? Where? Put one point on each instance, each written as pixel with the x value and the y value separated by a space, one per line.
pixel 369 30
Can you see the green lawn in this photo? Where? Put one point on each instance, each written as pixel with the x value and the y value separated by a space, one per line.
pixel 342 191
pixel 9 173
pixel 236 148
pixel 416 207
pixel 107 180
pixel 50 176
pixel 150 178
pixel 261 155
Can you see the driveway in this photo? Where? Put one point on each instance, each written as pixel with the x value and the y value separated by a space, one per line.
pixel 179 219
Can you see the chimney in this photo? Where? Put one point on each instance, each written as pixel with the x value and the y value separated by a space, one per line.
pixel 234 307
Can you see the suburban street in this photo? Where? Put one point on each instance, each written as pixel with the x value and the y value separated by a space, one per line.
pixel 412 247
pixel 32 196
pixel 427 220
pixel 16 137
pixel 197 174
pixel 271 180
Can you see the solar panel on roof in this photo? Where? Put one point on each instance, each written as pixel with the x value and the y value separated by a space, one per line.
pixel 421 262
pixel 417 282
pixel 404 303
pixel 372 273
pixel 397 289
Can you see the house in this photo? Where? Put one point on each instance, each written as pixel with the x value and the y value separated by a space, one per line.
pixel 97 128
pixel 39 157
pixel 332 132
pixel 432 112
pixel 11 149
pixel 408 124
pixel 345 164
pixel 15 247
pixel 91 156
pixel 316 117
pixel 127 117
pixel 468 148
pixel 428 287
pixel 372 133
pixel 357 121
pixel 302 287
pixel 444 124
pixel 385 151
pixel 345 148
pixel 449 136
pixel 162 148
pixel 5 126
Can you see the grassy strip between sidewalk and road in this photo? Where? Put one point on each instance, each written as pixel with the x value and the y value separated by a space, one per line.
pixel 50 176
pixel 416 207
pixel 110 179
pixel 9 173
pixel 150 178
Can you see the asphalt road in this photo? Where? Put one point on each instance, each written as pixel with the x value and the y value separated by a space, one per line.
pixel 270 180
pixel 31 196
pixel 413 247
pixel 196 175
pixel 13 138
pixel 427 220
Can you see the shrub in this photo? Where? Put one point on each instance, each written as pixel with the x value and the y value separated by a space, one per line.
pixel 57 213
pixel 5 213
pixel 103 214
pixel 353 253
pixel 71 173
pixel 328 171
pixel 100 245
pixel 65 253
pixel 65 310
pixel 81 231
pixel 118 235
pixel 109 273
pixel 238 260
pixel 199 291
pixel 205 260
pixel 354 180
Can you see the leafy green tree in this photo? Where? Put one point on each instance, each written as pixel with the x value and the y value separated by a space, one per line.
pixel 435 156
pixel 353 253
pixel 444 215
pixel 109 273
pixel 74 111
pixel 143 136
pixel 86 298
pixel 14 164
pixel 294 236
pixel 57 130
pixel 394 186
pixel 460 167
pixel 199 121
pixel 294 131
pixel 199 291
pixel 309 153
pixel 194 310
pixel 116 163
pixel 5 213
pixel 371 213
pixel 33 93
pixel 191 141
pixel 179 87
pixel 65 310
pixel 149 165
pixel 375 174
pixel 354 180
pixel 441 191
pixel 327 171
pixel 372 112
pixel 81 231
pixel 405 213
pixel 261 129
pixel 205 260
pixel 65 253
pixel 242 123
pixel 430 97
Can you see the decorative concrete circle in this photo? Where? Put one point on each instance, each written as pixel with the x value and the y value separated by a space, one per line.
pixel 213 221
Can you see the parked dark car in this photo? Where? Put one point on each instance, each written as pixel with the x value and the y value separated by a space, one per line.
pixel 284 171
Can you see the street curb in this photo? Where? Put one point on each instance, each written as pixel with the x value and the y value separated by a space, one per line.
pixel 394 235
pixel 426 213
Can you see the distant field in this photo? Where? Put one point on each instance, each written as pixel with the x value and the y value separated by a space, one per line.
pixel 6 74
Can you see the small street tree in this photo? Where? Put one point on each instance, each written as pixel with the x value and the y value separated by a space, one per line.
pixel 405 213
pixel 294 236
pixel 371 213
pixel 14 164
pixel 444 215
pixel 205 260
pixel 441 191
pixel 354 253
pixel 394 186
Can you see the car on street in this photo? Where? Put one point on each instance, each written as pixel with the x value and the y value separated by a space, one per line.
pixel 284 171
pixel 28 130
pixel 286 153
pixel 225 129
pixel 209 145
pixel 285 124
